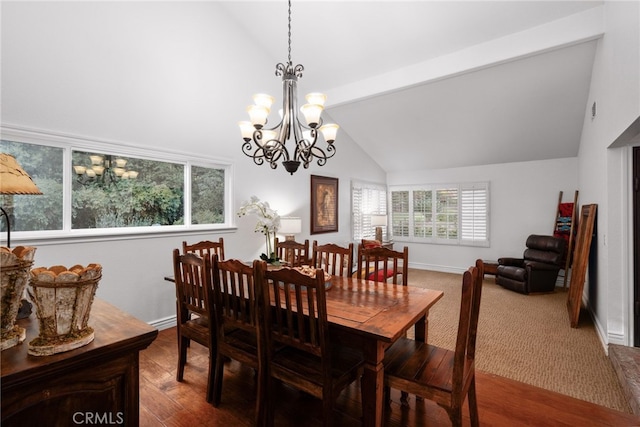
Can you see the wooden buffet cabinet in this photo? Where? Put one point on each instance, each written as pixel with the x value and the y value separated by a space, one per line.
pixel 95 384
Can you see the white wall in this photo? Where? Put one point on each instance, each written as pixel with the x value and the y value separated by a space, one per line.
pixel 132 72
pixel 604 173
pixel 523 201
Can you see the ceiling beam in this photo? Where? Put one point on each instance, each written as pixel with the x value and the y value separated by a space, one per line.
pixel 574 29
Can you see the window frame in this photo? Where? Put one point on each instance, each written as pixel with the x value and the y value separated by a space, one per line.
pixel 72 143
pixel 461 188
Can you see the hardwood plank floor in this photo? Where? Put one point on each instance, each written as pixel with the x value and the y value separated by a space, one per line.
pixel 501 402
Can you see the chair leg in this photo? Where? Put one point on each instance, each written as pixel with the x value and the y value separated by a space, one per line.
pixel 455 415
pixel 387 396
pixel 217 380
pixel 182 357
pixel 327 410
pixel 473 404
pixel 212 367
pixel 261 403
pixel 269 402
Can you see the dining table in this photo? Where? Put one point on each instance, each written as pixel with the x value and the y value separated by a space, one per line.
pixel 371 316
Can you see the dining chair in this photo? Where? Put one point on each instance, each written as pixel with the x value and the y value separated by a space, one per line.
pixel 236 323
pixel 205 248
pixel 381 264
pixel 194 295
pixel 292 252
pixel 295 318
pixel 333 259
pixel 444 376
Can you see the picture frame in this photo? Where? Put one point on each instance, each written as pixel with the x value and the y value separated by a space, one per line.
pixel 324 204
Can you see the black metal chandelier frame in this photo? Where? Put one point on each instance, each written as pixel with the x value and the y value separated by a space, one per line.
pixel 269 144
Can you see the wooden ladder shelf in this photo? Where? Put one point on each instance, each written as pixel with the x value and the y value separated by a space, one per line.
pixel 565 226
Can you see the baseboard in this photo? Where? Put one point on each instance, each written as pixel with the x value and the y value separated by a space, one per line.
pixel 440 268
pixel 166 323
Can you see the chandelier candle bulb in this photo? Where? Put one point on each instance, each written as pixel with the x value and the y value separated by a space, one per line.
pixel 96 160
pixel 316 98
pixel 329 131
pixel 246 130
pixel 312 114
pixel 268 135
pixel 263 100
pixel 258 115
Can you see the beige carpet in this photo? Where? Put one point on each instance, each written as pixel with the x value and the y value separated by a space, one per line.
pixel 527 338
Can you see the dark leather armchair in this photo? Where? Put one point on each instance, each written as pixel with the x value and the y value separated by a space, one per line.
pixel 537 270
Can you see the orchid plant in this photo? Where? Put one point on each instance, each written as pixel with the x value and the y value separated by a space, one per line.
pixel 268 223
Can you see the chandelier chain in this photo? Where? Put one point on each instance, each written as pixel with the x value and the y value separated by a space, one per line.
pixel 290 32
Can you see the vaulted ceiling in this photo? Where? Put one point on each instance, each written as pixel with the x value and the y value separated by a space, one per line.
pixel 425 84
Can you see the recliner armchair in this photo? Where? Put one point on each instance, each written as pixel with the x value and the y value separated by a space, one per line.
pixel 537 270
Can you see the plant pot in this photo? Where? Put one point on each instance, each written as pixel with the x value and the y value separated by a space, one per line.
pixel 14 274
pixel 63 299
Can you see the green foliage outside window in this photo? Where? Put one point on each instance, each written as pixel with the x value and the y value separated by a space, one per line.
pixel 155 197
pixel 36 212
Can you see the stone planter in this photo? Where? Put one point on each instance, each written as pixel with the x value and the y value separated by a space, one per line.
pixel 63 299
pixel 14 274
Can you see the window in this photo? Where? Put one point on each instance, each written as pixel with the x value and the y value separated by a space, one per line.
pixel 96 186
pixel 366 199
pixel 116 191
pixel 453 214
pixel 44 166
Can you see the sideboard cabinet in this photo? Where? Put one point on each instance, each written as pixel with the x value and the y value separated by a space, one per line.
pixel 95 384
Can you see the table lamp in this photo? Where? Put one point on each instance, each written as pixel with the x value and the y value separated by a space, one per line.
pixel 290 226
pixel 14 180
pixel 378 221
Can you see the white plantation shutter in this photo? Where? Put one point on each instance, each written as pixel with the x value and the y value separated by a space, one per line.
pixel 447 213
pixel 366 199
pixel 474 212
pixel 454 214
pixel 400 211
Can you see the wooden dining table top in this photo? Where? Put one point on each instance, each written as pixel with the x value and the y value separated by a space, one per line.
pixel 377 309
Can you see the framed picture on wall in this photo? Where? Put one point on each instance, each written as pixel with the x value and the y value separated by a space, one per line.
pixel 324 204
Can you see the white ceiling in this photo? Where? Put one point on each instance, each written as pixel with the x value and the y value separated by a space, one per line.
pixel 425 84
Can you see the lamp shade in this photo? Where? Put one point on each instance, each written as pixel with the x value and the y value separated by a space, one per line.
pixel 378 220
pixel 13 179
pixel 290 225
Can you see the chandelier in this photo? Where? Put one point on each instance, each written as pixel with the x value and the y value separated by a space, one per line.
pixel 104 170
pixel 269 144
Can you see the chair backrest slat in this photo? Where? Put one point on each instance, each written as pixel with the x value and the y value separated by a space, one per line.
pixel 235 294
pixel 295 253
pixel 205 248
pixel 380 263
pixel 295 313
pixel 335 260
pixel 193 283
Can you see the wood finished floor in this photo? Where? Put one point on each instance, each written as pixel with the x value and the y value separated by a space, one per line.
pixel 501 402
